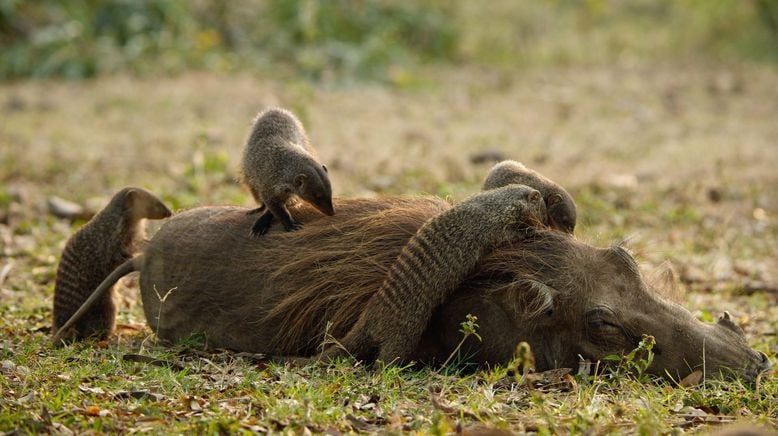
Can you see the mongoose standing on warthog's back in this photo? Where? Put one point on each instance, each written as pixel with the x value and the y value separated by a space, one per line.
pixel 279 163
pixel 431 265
pixel 92 253
pixel 559 204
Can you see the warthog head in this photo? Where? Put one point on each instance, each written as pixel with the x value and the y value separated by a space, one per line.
pixel 587 303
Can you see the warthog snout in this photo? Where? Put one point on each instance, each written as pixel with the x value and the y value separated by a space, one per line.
pixel 766 364
pixel 760 364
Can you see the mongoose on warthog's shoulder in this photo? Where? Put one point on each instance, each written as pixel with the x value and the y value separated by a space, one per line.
pixel 278 163
pixel 433 262
pixel 560 205
pixel 93 252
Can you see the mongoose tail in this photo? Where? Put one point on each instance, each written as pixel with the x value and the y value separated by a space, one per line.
pixel 122 270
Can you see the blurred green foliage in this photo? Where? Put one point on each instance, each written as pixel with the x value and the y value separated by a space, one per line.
pixel 374 39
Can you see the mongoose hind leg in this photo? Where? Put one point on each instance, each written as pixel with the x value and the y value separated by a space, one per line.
pixel 278 209
pixel 256 210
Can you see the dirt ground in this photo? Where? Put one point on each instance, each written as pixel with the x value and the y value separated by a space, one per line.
pixel 678 160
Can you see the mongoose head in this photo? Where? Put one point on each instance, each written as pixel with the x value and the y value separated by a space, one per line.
pixel 523 205
pixel 560 206
pixel 312 184
pixel 141 204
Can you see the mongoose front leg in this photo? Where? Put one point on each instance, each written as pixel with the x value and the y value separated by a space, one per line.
pixel 262 224
pixel 358 343
pixel 275 209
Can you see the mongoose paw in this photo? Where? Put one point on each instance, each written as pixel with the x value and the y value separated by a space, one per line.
pixel 262 225
pixel 293 227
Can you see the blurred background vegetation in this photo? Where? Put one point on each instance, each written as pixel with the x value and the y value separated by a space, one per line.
pixel 370 39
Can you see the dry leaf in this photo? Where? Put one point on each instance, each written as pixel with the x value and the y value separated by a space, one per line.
pixel 92 411
pixel 692 379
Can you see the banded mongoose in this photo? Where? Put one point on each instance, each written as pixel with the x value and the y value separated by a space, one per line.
pixel 91 254
pixel 433 262
pixel 560 205
pixel 279 163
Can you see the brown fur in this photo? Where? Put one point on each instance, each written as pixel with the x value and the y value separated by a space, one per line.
pixel 104 243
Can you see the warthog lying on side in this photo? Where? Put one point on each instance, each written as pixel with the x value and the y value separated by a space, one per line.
pixel 282 293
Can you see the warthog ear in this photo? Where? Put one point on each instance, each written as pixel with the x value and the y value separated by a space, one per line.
pixel 725 320
pixel 542 302
pixel 662 279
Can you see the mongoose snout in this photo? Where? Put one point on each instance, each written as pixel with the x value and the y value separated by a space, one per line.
pixel 315 195
pixel 143 204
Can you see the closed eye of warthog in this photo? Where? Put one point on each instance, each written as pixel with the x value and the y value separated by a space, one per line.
pixel 281 294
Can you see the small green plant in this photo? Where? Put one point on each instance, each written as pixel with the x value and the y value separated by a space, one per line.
pixel 523 362
pixel 162 299
pixel 637 361
pixel 468 328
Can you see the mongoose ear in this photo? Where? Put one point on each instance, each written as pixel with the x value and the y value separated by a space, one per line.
pixel 131 197
pixel 324 167
pixel 299 180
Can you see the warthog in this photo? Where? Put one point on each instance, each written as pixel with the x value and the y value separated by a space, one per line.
pixel 282 294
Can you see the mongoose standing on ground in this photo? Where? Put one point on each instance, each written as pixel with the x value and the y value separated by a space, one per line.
pixel 559 204
pixel 279 163
pixel 433 262
pixel 91 254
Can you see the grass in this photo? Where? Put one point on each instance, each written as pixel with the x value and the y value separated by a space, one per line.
pixel 98 390
pixel 678 159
